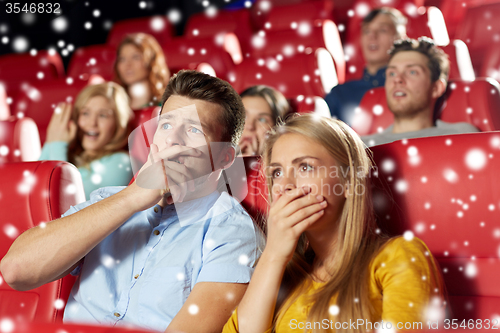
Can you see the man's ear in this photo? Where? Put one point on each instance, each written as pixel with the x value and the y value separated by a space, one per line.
pixel 226 158
pixel 438 88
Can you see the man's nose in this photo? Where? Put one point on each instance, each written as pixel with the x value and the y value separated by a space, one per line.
pixel 175 137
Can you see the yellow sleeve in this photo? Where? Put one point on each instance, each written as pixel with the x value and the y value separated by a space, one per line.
pixel 408 278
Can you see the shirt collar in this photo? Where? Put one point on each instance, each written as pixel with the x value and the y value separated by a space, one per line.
pixel 378 76
pixel 187 212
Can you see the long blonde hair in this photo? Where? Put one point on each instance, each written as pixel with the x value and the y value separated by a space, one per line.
pixel 154 59
pixel 358 238
pixel 119 101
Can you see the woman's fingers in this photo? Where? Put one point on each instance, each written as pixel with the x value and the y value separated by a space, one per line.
pixel 72 129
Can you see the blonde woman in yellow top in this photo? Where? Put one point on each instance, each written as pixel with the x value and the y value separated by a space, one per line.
pixel 326 267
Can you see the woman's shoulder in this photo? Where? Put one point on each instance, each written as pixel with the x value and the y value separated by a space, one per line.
pixel 402 249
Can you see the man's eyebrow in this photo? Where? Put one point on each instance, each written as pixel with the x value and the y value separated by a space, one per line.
pixel 411 65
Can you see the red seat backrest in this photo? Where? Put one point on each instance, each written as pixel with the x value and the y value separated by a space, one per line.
pixel 157 26
pixel 460 62
pixel 476 102
pixel 142 136
pixel 201 25
pixel 188 53
pixel 16 69
pixel 479 29
pixel 444 190
pixel 94 59
pixel 491 63
pixel 306 78
pixel 39 100
pixel 32 193
pixel 305 37
pixel 19 140
pixel 27 327
pixel 4 106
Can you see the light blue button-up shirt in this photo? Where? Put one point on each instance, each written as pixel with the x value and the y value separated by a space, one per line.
pixel 142 273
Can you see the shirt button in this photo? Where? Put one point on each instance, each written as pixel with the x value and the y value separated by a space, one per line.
pixel 117 314
pixel 156 209
pixel 156 232
pixel 136 276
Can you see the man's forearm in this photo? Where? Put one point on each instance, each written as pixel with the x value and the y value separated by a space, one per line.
pixel 42 254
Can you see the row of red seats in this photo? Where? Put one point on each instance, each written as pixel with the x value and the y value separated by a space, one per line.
pixel 458 221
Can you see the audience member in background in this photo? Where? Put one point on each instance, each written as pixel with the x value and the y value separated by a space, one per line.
pixel 167 251
pixel 264 106
pixel 141 68
pixel 417 77
pixel 324 252
pixel 380 28
pixel 93 136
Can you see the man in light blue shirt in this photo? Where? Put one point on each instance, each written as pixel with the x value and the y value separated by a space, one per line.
pixel 167 251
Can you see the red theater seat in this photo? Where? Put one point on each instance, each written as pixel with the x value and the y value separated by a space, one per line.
pixel 460 62
pixel 305 37
pixel 19 140
pixel 94 59
pixel 444 191
pixel 201 25
pixel 479 30
pixel 39 101
pixel 491 64
pixel 157 26
pixel 16 69
pixel 184 53
pixel 476 102
pixel 32 193
pixel 301 74
pixel 422 21
pixel 143 127
pixel 4 106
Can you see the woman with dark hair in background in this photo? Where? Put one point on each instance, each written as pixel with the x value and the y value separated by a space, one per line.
pixel 141 68
pixel 264 106
pixel 93 135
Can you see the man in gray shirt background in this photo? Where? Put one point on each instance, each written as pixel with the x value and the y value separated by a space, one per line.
pixel 416 77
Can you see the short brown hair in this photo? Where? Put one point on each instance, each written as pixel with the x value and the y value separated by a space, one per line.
pixel 154 59
pixel 197 85
pixel 277 102
pixel 438 63
pixel 397 18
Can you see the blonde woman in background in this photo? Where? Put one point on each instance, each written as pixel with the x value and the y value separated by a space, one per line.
pixel 326 264
pixel 141 69
pixel 93 135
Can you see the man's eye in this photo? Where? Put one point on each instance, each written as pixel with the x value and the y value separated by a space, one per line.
pixel 166 126
pixel 413 72
pixel 196 131
pixel 391 74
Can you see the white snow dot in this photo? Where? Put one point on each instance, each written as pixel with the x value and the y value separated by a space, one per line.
pixel 64 52
pixel 69 80
pixel 211 11
pixel 42 225
pixel 471 270
pixel 448 142
pixel 466 243
pixel 450 175
pixel 427 205
pixel 473 198
pixel 248 4
pixel 142 4
pixel 481 224
pixel 334 310
pixel 88 25
pixel 352 69
pixel 258 42
pixel 209 244
pixel 306 78
pixel 71 189
pixel 180 276
pixel 341 27
pixel 460 214
pixel 304 29
pixel 475 159
pixel 174 16
pixel 70 47
pixel 401 186
pixel 388 165
pixel 465 206
pixel 243 259
pixel 378 110
pixel 193 309
pixel 107 261
pixel 60 24
pixel 420 228
pixel 433 226
pixel 60 43
pixel 59 304
pixel 491 207
pixel 423 179
pixel 40 75
pixel 258 76
pixel 6 325
pixel 96 178
pixel 20 44
pixel 96 13
pixel 11 231
pixel 412 151
pixel 92 61
pixel 408 235
pixel 4 150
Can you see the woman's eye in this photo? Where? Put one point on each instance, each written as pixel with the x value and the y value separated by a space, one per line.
pixel 306 167
pixel 413 72
pixel 263 120
pixel 104 116
pixel 276 173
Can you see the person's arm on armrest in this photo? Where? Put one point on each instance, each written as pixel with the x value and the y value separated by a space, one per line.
pixel 41 255
pixel 208 307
